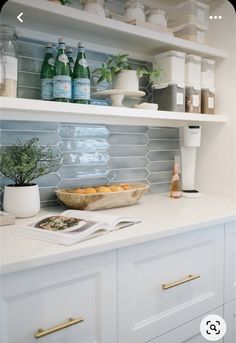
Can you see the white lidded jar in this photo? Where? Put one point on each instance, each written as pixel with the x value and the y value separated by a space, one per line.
pixel 134 10
pixel 8 38
pixel 157 16
pixel 22 201
pixel 94 7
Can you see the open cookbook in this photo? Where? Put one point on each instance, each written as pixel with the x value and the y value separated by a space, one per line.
pixel 73 226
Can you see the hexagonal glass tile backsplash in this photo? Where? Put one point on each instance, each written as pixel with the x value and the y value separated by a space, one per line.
pixel 92 154
pixel 100 154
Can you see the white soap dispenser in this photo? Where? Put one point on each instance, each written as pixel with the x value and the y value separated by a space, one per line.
pixel 190 138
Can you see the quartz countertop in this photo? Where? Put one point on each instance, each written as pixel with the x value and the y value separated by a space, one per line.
pixel 161 217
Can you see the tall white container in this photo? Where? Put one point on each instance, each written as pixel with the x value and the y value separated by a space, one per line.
pixel 172 64
pixel 208 73
pixel 193 70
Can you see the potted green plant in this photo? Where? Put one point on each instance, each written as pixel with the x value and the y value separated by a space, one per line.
pixel 116 70
pixel 24 162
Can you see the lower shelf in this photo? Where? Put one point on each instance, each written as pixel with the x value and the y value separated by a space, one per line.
pixel 38 110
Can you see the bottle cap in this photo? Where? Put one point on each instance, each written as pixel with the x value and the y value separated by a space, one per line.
pixel 61 40
pixel 48 45
pixel 80 45
pixel 69 49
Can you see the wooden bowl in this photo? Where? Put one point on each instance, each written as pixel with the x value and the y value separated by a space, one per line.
pixel 101 201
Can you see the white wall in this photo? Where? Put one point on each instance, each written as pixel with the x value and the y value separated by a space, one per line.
pixel 216 161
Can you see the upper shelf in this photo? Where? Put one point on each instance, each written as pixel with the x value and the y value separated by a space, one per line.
pixel 49 17
pixel 38 110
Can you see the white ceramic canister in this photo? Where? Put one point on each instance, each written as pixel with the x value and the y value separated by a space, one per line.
pixel 134 10
pixel 22 201
pixel 94 7
pixel 157 16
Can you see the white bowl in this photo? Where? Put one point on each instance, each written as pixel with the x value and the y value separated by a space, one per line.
pixel 147 106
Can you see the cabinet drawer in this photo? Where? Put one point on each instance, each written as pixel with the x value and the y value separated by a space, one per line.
pixel 189 332
pixel 146 309
pixel 230 318
pixel 48 296
pixel 230 261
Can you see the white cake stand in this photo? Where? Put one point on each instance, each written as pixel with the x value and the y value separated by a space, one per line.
pixel 117 95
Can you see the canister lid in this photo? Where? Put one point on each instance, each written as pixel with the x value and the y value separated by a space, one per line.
pixel 170 53
pixel 134 3
pixel 156 11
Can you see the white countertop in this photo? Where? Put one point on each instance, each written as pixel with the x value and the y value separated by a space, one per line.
pixel 161 217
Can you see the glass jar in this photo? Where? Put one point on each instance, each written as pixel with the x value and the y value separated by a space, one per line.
pixel 157 16
pixel 2 69
pixel 134 10
pixel 94 7
pixel 8 38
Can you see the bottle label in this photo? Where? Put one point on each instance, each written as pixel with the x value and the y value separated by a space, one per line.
pixel 83 62
pixel 63 58
pixel 10 68
pixel 46 89
pixel 210 102
pixel 62 87
pixel 81 89
pixel 51 62
pixel 180 98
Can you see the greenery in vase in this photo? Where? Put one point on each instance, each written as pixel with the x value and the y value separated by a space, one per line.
pixel 65 2
pixel 25 161
pixel 113 65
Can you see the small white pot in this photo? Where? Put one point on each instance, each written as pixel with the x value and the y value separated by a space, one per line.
pixel 126 80
pixel 22 201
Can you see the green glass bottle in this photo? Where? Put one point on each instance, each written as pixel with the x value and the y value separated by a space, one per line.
pixel 81 78
pixel 46 74
pixel 62 75
pixel 69 52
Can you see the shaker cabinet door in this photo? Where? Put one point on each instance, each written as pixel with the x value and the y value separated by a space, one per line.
pixel 165 283
pixel 188 333
pixel 71 302
pixel 230 318
pixel 230 261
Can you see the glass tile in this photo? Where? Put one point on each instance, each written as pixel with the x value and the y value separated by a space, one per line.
pixel 163 133
pixel 117 151
pixel 82 171
pixel 89 145
pixel 29 125
pixel 28 79
pixel 48 180
pixel 127 162
pixel 160 166
pixel 45 138
pixel 127 128
pixel 123 139
pixel 160 177
pixel 127 175
pixel 85 158
pixel 28 93
pixel 47 194
pixel 155 144
pixel 68 183
pixel 162 155
pixel 159 188
pixel 72 131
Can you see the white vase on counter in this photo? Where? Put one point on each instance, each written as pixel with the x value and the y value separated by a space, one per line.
pixel 126 80
pixel 22 201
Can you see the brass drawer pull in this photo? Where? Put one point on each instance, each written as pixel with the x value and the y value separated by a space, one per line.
pixel 41 333
pixel 180 282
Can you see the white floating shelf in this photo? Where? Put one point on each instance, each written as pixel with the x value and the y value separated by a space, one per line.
pixel 50 18
pixel 37 110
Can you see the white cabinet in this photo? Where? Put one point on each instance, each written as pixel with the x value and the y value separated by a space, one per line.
pixel 152 293
pixel 188 333
pixel 230 318
pixel 48 296
pixel 230 261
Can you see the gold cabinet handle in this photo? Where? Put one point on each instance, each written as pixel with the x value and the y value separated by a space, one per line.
pixel 41 333
pixel 180 282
